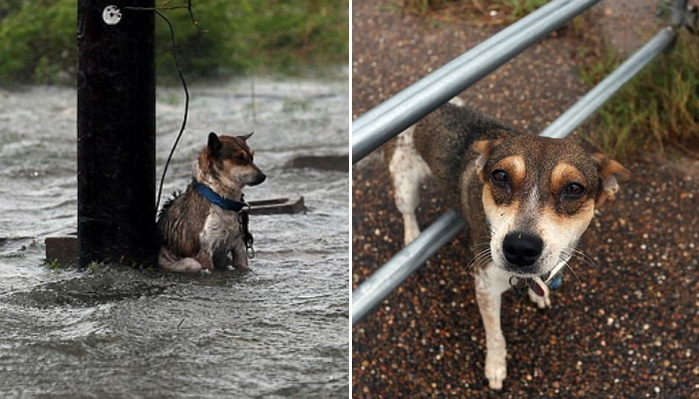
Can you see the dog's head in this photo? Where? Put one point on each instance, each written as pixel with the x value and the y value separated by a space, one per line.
pixel 228 161
pixel 539 195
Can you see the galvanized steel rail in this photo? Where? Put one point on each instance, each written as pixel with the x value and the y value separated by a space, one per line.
pixel 404 263
pixel 391 117
pixel 378 126
pixel 594 99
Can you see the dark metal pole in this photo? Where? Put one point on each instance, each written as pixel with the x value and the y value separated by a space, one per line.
pixel 116 133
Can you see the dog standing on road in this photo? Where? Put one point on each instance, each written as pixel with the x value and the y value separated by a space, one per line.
pixel 526 199
pixel 205 227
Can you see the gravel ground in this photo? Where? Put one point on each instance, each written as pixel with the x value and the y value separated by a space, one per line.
pixel 625 325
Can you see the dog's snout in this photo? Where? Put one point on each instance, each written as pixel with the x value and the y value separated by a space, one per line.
pixel 259 178
pixel 522 249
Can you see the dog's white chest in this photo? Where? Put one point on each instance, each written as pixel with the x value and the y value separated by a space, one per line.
pixel 221 230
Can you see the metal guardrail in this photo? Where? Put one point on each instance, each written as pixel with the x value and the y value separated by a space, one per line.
pixel 388 119
pixel 404 263
pixel 599 94
pixel 391 117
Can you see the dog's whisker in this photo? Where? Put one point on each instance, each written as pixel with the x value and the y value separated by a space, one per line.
pixel 569 267
pixel 577 254
pixel 481 257
pixel 574 273
pixel 482 244
pixel 584 258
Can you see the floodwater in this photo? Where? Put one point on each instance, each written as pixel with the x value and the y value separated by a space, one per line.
pixel 280 330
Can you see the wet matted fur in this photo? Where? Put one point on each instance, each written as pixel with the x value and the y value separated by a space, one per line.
pixel 198 234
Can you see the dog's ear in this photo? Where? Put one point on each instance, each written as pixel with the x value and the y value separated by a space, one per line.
pixel 484 148
pixel 610 173
pixel 245 137
pixel 214 143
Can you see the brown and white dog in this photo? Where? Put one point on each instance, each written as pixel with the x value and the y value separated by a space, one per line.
pixel 526 200
pixel 202 228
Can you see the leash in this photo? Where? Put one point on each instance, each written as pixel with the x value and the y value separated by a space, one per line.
pixel 247 235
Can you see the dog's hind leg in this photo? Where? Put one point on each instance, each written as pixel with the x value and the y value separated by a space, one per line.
pixel 408 170
pixel 489 291
pixel 169 262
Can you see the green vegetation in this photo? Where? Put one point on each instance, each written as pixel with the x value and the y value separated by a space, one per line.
pixel 55 265
pixel 421 7
pixel 658 109
pixel 509 10
pixel 38 38
pixel 520 8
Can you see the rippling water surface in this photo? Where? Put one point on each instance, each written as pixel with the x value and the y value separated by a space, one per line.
pixel 280 330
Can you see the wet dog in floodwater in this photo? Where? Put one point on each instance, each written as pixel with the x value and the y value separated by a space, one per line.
pixel 205 227
pixel 526 200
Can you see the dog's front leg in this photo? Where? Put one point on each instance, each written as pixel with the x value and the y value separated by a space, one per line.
pixel 239 256
pixel 204 257
pixel 488 295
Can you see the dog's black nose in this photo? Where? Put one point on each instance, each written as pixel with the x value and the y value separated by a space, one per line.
pixel 259 178
pixel 522 249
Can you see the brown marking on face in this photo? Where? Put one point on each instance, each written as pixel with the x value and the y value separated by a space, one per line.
pixel 569 189
pixel 484 149
pixel 496 211
pixel 545 187
pixel 505 178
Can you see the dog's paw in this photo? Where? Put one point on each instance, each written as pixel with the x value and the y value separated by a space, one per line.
pixel 239 266
pixel 189 265
pixel 411 233
pixel 495 370
pixel 186 265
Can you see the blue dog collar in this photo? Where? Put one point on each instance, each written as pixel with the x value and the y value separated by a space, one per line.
pixel 212 197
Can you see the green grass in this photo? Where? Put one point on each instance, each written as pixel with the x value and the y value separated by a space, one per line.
pixel 55 265
pixel 512 9
pixel 520 8
pixel 657 110
pixel 421 7
pixel 38 39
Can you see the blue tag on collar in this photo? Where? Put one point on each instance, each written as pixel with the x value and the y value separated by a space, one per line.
pixel 556 281
pixel 212 197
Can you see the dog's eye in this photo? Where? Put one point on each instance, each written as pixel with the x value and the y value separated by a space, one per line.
pixel 574 190
pixel 240 156
pixel 500 177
